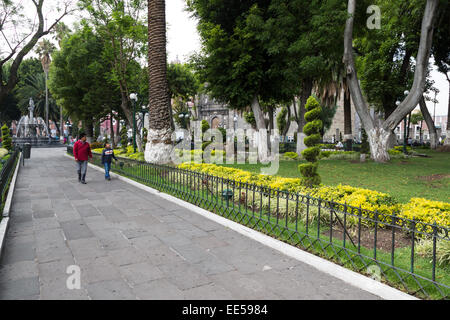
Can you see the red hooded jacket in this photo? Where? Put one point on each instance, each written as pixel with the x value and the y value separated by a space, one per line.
pixel 81 151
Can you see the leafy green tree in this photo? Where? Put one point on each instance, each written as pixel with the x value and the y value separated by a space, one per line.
pixel 22 37
pixel 122 27
pixel 416 44
pixel 312 130
pixel 268 50
pixel 78 79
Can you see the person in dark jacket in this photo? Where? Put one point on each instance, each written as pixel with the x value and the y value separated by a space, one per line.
pixel 107 156
pixel 82 152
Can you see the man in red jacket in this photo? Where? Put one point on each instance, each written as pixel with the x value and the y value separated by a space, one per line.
pixel 81 152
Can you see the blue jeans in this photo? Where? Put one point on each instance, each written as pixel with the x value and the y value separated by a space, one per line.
pixel 107 168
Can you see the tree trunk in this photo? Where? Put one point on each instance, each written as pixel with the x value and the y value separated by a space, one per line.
pixel 378 140
pixel 263 146
pixel 117 131
pixel 288 122
pixel 61 125
pixel 347 118
pixel 378 135
pixel 307 86
pixel 111 125
pixel 89 131
pixel 430 123
pixel 271 120
pixel 447 134
pixel 159 146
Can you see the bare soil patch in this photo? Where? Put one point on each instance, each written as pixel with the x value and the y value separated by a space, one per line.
pixel 434 177
pixel 384 238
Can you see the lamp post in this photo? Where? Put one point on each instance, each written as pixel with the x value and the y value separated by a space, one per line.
pixel 144 110
pixel 133 98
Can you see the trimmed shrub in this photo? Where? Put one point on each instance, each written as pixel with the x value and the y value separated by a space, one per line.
pixel 291 155
pixel 124 138
pixel 205 126
pixel 365 147
pixel 6 138
pixel 312 130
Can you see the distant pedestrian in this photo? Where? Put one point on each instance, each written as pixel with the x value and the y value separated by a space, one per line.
pixel 82 152
pixel 107 156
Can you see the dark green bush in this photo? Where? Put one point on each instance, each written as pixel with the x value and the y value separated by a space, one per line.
pixel 365 148
pixel 124 138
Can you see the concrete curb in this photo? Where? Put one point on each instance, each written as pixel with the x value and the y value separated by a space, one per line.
pixel 353 278
pixel 4 224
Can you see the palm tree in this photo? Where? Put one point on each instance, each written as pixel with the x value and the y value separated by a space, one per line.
pixel 44 50
pixel 60 31
pixel 159 146
pixel 35 88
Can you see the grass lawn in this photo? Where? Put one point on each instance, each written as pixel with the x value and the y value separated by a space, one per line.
pixel 402 178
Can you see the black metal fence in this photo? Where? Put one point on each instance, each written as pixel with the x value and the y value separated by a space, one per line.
pixel 7 170
pixel 407 254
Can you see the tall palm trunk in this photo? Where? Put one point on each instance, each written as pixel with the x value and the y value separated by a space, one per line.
pixel 348 137
pixel 159 146
pixel 447 136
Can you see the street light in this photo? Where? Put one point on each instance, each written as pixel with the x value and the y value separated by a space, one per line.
pixel 134 98
pixel 144 110
pixel 184 117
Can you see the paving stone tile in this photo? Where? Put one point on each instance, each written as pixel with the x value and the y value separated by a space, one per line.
pixel 138 273
pixel 87 210
pixel 20 289
pixel 16 252
pixel 98 269
pixel 110 290
pixel 76 229
pixel 126 256
pixel 160 289
pixel 18 270
pixel 86 248
pixel 162 254
pixel 184 275
pixel 210 291
pixel 43 214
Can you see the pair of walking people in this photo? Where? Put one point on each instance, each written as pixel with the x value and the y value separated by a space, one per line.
pixel 82 153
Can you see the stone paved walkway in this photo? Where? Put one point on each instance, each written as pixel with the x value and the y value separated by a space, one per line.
pixel 130 244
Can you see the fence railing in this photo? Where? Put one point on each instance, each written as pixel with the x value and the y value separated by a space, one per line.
pixel 6 173
pixel 384 246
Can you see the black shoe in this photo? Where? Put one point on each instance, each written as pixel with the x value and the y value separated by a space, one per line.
pixel 109 179
pixel 83 179
pixel 79 176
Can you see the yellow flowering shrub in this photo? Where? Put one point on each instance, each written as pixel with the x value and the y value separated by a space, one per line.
pixel 369 201
pixel 427 211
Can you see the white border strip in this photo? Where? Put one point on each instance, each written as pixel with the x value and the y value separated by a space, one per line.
pixel 5 220
pixel 353 278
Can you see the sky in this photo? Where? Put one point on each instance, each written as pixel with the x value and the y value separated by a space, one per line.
pixel 183 40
